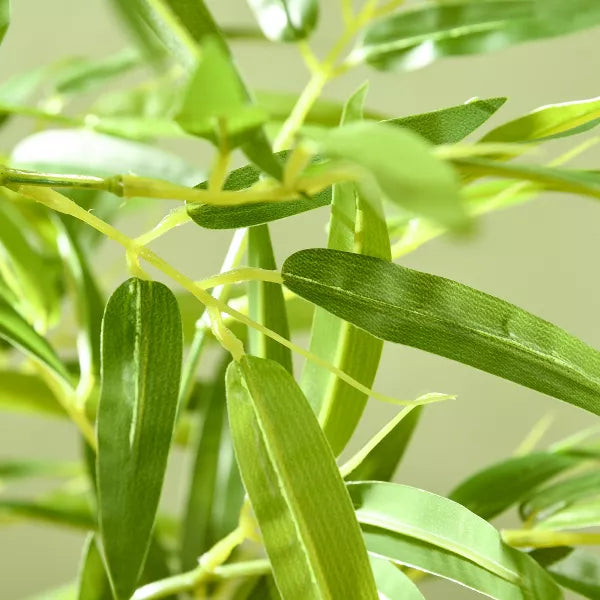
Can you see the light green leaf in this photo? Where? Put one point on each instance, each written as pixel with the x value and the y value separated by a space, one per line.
pixel 548 122
pixel 4 17
pixel 403 166
pixel 64 592
pixel 547 500
pixel 215 492
pixel 25 392
pixel 450 319
pixel 492 490
pixel 415 37
pixel 396 516
pixel 451 125
pixel 392 583
pixel 579 515
pixel 93 583
pixel 379 458
pixel 309 531
pixel 286 20
pixel 141 364
pixel 19 469
pixel 357 224
pixel 573 568
pixel 265 301
pixel 18 89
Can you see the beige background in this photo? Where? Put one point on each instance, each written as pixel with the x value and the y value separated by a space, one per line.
pixel 542 257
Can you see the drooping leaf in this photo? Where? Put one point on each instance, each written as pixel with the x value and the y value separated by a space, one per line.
pixel 549 122
pixel 310 532
pixel 286 20
pixel 415 37
pixel 265 301
pixel 215 492
pixel 4 17
pixel 450 319
pixel 357 224
pixel 403 166
pixel 492 490
pixel 379 458
pixel 93 582
pixel 573 568
pixel 392 583
pixel 26 392
pixel 141 364
pixel 451 125
pixel 433 532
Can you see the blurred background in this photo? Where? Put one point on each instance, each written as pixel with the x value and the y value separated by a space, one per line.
pixel 542 256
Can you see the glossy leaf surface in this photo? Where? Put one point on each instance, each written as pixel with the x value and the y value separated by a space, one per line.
pixel 285 20
pixel 310 532
pixel 141 364
pixel 450 319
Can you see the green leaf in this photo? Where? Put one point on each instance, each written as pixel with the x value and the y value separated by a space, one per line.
pixel 573 568
pixel 309 531
pixel 4 17
pixel 403 166
pixel 450 319
pixel 414 38
pixel 19 469
pixel 19 88
pixel 397 517
pixel 379 458
pixel 451 125
pixel 215 493
pixel 141 365
pixel 357 224
pixel 549 122
pixel 547 500
pixel 286 20
pixel 494 489
pixel 93 581
pixel 579 515
pixel 25 392
pixel 392 583
pixel 265 301
pixel 87 152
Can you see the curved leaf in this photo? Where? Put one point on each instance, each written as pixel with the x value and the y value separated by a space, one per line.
pixel 141 364
pixel 392 583
pixel 395 516
pixel 578 515
pixel 310 532
pixel 549 122
pixel 286 20
pixel 4 17
pixel 93 583
pixel 450 319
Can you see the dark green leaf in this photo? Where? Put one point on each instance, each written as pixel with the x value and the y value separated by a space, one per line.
pixel 573 568
pixel 265 301
pixel 93 581
pixel 451 125
pixel 310 532
pixel 392 583
pixel 414 38
pixel 25 392
pixel 357 224
pixel 141 364
pixel 286 20
pixel 548 122
pixel 397 517
pixel 450 319
pixel 494 489
pixel 403 166
pixel 380 457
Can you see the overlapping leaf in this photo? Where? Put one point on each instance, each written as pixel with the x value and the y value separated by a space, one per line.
pixel 450 319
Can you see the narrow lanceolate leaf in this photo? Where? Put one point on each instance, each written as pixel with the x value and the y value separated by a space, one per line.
pixel 573 568
pixel 19 469
pixel 494 489
pixel 419 529
pixel 93 581
pixel 4 17
pixel 392 583
pixel 265 301
pixel 141 364
pixel 451 125
pixel 547 122
pixel 357 224
pixel 215 493
pixel 450 319
pixel 309 531
pixel 286 20
pixel 403 166
pixel 380 457
pixel 414 38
